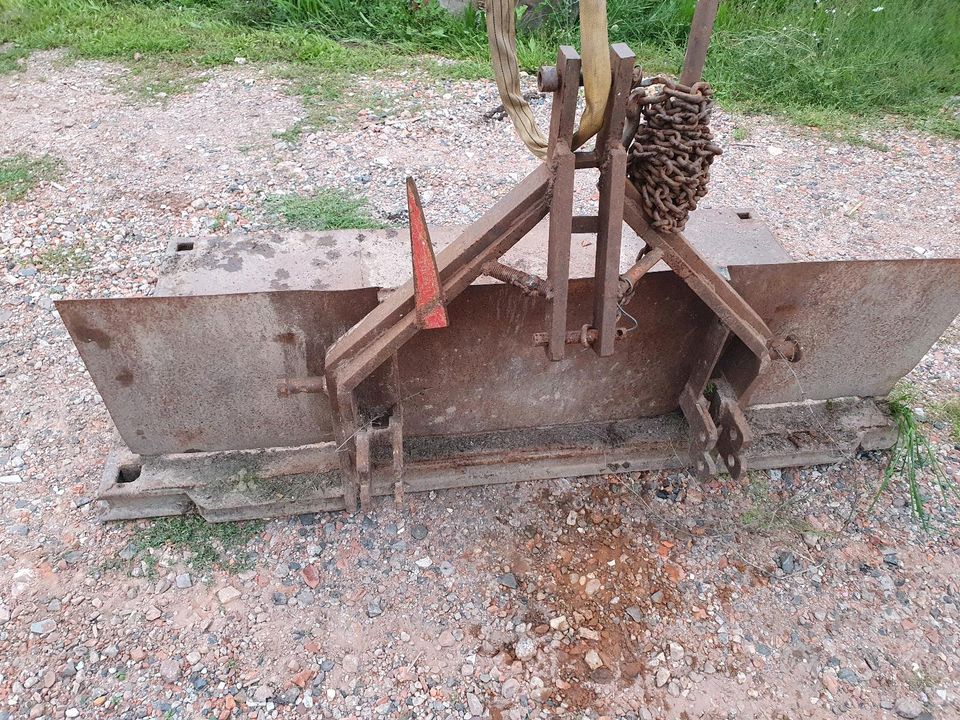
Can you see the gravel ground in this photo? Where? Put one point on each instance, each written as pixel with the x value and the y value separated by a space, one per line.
pixel 617 596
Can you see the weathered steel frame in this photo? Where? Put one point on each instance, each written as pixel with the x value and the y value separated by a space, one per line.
pixel 786 435
pixel 548 189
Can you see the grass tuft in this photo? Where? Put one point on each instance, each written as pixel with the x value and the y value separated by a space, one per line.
pixel 21 173
pixel 208 544
pixel 328 209
pixel 911 456
pixel 11 58
pixel 63 259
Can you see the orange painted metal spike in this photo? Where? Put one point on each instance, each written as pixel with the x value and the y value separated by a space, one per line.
pixel 427 289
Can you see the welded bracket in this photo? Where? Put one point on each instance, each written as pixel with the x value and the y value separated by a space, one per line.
pixel 734 433
pixel 696 407
pixel 703 432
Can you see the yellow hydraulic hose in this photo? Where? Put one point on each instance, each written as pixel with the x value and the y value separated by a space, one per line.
pixel 596 67
pixel 502 38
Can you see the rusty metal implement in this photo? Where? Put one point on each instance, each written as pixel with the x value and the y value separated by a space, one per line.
pixel 247 398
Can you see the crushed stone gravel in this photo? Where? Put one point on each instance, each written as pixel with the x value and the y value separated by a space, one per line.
pixel 590 598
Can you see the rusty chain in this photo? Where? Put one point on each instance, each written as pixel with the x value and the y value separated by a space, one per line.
pixel 672 149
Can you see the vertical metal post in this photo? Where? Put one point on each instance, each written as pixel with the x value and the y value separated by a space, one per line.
pixel 613 169
pixel 698 41
pixel 562 161
pixel 343 408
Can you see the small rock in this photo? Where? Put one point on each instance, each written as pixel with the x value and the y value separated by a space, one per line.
pixel 572 518
pixel 908 707
pixel 170 670
pixel 525 648
pixel 588 633
pixel 848 675
pixel 810 539
pixel 634 614
pixel 787 562
pixel 663 677
pixel 227 594
pixel 829 680
pixel 423 563
pixel 350 664
pixel 310 576
pixel 184 581
pixel 675 650
pixel 262 693
pixel 510 688
pixel 508 580
pixel 374 609
pixel 592 586
pixel 418 531
pixel 559 623
pixel 446 639
pixel 138 654
pixel 43 627
pixel 592 658
pixel 474 705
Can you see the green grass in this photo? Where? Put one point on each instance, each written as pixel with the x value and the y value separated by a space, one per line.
pixel 63 259
pixel 20 173
pixel 912 456
pixel 192 34
pixel 155 79
pixel 328 209
pixel 329 97
pixel 834 62
pixel 209 544
pixel 11 59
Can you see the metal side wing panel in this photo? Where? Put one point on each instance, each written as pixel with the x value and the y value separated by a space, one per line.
pixel 861 324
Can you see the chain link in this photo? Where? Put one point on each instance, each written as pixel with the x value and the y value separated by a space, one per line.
pixel 672 149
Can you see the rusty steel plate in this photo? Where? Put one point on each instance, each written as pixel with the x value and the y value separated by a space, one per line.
pixel 182 374
pixel 346 259
pixel 484 372
pixel 199 373
pixel 862 324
